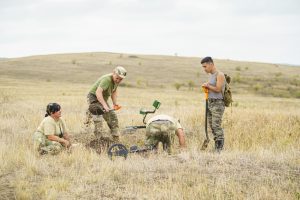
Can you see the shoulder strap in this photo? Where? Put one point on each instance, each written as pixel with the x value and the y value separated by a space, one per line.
pixel 224 83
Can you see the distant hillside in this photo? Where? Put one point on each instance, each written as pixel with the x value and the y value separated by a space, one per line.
pixel 154 71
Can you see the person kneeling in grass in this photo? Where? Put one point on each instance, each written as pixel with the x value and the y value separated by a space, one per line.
pixel 163 128
pixel 52 135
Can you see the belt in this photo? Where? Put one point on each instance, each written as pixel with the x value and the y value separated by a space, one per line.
pixel 214 100
pixel 160 121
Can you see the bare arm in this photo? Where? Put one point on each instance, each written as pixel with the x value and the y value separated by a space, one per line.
pixel 114 97
pixel 181 137
pixel 100 98
pixel 218 87
pixel 63 141
pixel 66 136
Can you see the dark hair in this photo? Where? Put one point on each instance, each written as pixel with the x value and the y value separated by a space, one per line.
pixel 207 60
pixel 52 108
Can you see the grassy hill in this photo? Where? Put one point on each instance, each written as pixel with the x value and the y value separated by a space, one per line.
pixel 155 71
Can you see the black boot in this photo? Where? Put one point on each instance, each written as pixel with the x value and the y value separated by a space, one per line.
pixel 219 145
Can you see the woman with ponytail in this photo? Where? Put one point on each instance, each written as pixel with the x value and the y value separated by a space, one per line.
pixel 52 134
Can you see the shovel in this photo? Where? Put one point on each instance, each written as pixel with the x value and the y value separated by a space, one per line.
pixel 206 141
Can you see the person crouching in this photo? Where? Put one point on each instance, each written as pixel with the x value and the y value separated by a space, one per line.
pixel 52 136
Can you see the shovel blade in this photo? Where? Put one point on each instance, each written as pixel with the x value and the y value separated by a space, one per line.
pixel 205 144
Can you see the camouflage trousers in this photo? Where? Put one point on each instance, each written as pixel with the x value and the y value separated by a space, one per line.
pixel 216 109
pixel 45 146
pixel 98 119
pixel 160 131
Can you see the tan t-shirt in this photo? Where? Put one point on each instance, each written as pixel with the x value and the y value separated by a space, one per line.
pixel 51 127
pixel 164 117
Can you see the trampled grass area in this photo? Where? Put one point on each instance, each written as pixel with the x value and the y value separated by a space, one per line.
pixel 261 158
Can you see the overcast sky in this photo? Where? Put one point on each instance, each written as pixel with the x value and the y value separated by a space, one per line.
pixel 252 30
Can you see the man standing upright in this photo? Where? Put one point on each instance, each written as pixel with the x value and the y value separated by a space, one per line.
pixel 216 106
pixel 103 88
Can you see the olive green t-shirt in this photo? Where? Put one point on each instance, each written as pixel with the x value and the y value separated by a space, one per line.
pixel 107 84
pixel 51 127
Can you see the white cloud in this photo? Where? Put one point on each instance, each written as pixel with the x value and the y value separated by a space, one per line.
pixel 262 30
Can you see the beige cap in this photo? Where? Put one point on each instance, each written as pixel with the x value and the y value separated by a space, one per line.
pixel 120 71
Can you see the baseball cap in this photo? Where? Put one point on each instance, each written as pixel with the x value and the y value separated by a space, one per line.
pixel 120 71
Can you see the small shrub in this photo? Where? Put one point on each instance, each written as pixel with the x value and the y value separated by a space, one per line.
pixel 297 94
pixel 178 85
pixel 237 78
pixel 139 82
pixel 133 56
pixel 257 79
pixel 257 87
pixel 280 93
pixel 74 62
pixel 295 82
pixel 4 98
pixel 191 85
pixel 238 68
pixel 297 195
pixel 126 85
pixel 235 104
pixel 278 74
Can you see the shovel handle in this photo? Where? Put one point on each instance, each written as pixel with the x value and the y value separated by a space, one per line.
pixel 205 90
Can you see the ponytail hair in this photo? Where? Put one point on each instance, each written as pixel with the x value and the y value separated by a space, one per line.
pixel 52 108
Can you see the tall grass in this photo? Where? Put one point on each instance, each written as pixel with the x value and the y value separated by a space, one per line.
pixel 260 160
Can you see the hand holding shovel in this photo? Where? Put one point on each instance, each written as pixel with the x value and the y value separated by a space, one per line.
pixel 206 141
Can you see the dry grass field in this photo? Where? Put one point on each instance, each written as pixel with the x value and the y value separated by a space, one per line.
pixel 261 159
